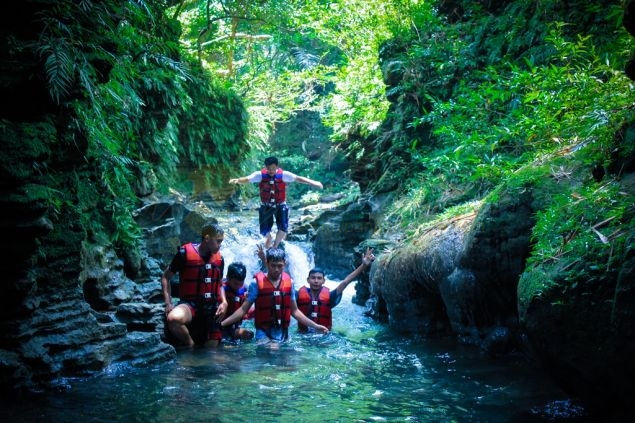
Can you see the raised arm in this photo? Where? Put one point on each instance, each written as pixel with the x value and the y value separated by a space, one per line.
pixel 367 260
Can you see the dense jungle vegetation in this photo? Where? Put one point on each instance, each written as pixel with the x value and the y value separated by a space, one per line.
pixel 442 101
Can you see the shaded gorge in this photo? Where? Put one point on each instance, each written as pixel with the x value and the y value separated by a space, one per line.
pixel 362 371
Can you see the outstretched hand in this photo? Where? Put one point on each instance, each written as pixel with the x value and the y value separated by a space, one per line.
pixel 322 329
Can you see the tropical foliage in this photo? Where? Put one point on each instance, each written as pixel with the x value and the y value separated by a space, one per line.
pixel 282 57
pixel 559 91
pixel 133 106
pixel 477 90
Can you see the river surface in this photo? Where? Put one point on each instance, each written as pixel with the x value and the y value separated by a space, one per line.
pixel 360 372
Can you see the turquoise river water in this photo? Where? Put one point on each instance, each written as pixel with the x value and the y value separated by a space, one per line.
pixel 361 372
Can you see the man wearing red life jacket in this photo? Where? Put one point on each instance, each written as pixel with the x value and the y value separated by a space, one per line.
pixel 316 301
pixel 202 298
pixel 274 297
pixel 236 294
pixel 272 182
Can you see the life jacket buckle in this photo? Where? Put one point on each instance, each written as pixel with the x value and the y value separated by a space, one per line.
pixel 208 280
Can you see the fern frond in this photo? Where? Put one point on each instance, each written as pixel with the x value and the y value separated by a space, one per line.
pixel 59 67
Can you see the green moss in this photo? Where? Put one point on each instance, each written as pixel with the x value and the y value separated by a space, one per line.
pixel 26 148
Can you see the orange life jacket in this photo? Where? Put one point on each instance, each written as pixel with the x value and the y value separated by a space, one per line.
pixel 318 310
pixel 200 280
pixel 273 306
pixel 234 299
pixel 273 190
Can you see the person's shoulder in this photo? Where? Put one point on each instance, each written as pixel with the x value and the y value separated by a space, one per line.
pixel 182 249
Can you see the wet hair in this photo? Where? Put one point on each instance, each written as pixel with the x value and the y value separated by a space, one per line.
pixel 212 229
pixel 276 254
pixel 317 270
pixel 271 160
pixel 236 270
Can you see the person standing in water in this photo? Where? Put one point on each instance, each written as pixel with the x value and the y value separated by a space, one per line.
pixel 316 301
pixel 274 297
pixel 236 294
pixel 272 182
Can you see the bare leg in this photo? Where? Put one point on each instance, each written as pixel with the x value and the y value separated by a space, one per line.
pixel 268 241
pixel 280 236
pixel 177 319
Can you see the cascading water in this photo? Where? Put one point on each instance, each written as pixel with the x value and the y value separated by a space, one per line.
pixel 299 259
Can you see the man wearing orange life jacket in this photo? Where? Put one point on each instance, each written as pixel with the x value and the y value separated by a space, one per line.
pixel 316 301
pixel 274 297
pixel 272 182
pixel 236 294
pixel 202 298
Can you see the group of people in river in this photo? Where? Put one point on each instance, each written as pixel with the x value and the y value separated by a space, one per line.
pixel 212 308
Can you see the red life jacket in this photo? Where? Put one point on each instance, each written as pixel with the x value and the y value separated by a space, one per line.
pixel 273 306
pixel 273 190
pixel 200 280
pixel 234 299
pixel 318 310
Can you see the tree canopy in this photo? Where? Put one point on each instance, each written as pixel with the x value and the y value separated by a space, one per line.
pixel 430 97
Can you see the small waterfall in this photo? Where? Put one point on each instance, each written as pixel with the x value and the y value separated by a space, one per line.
pixel 243 248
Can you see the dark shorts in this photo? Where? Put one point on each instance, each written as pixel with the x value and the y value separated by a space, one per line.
pixel 203 326
pixel 266 215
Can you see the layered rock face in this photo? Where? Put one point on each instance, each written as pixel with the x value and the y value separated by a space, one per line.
pixel 466 277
